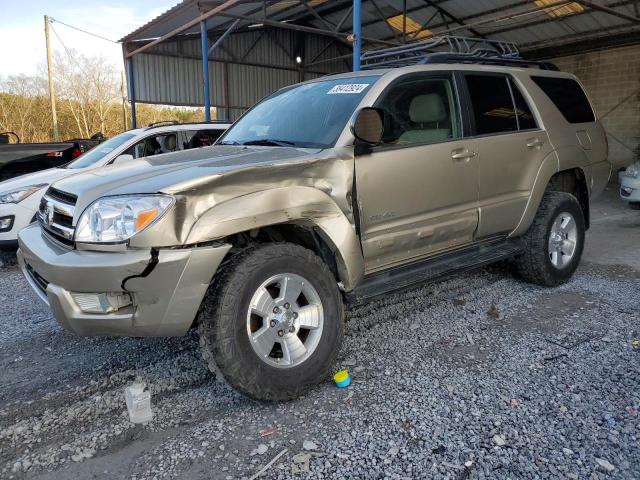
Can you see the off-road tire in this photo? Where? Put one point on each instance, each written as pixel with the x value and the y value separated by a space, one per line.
pixel 222 326
pixel 534 264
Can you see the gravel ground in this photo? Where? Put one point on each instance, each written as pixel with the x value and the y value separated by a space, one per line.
pixel 482 376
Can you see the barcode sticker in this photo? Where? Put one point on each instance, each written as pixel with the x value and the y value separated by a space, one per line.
pixel 348 88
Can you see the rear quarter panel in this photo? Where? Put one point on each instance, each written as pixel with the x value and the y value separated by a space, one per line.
pixel 578 145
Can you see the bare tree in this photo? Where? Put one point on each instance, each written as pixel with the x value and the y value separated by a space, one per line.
pixel 90 86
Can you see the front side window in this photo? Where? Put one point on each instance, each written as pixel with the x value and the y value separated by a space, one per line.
pixel 309 115
pixel 568 97
pixel 154 145
pixel 420 110
pixel 492 104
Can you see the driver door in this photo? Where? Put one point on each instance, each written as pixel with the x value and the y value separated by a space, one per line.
pixel 418 190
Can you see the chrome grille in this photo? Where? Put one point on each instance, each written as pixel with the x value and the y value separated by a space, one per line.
pixel 56 215
pixel 62 196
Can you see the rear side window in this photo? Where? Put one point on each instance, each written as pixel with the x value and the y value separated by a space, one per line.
pixel 525 117
pixel 568 96
pixel 492 104
pixel 200 138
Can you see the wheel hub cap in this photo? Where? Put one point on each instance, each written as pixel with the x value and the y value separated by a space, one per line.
pixel 562 240
pixel 285 320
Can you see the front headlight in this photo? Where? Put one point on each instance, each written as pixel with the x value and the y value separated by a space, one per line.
pixel 16 196
pixel 632 170
pixel 116 219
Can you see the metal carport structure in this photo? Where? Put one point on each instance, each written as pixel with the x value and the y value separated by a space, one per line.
pixel 229 54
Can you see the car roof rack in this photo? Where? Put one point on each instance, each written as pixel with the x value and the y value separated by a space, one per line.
pixel 450 49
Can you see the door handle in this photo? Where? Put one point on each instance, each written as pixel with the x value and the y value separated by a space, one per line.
pixel 534 143
pixel 462 156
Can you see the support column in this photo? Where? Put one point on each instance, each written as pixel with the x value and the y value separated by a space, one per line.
pixel 205 69
pixel 357 32
pixel 132 92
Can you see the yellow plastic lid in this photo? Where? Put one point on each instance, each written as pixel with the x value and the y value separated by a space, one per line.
pixel 341 376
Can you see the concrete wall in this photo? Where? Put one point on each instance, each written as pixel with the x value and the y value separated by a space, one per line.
pixel 612 80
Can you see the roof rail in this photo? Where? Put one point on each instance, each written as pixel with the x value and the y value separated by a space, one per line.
pixel 163 122
pixel 450 49
pixel 175 122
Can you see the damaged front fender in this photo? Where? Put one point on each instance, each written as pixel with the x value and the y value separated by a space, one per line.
pixel 296 204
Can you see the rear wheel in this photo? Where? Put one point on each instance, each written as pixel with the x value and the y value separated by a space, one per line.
pixel 273 321
pixel 553 244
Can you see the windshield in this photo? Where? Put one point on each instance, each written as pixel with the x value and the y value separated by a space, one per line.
pixel 309 115
pixel 97 153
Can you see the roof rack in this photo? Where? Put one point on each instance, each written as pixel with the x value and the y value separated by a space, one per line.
pixel 450 49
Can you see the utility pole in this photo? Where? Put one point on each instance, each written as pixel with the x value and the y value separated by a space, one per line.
pixel 124 102
pixel 54 116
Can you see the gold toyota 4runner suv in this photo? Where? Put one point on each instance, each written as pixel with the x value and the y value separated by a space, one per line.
pixel 332 191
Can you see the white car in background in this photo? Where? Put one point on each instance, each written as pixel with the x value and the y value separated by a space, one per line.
pixel 630 185
pixel 20 197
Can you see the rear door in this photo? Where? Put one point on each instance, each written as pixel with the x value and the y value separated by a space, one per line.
pixel 511 147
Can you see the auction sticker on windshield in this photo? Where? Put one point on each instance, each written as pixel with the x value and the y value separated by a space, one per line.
pixel 348 88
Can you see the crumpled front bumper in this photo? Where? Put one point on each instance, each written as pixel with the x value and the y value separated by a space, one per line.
pixel 166 285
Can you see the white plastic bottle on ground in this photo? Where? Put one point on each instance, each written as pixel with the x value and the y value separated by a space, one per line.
pixel 138 402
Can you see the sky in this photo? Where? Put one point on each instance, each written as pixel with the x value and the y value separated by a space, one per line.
pixel 22 29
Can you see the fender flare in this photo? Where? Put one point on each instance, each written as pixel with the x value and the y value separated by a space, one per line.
pixel 296 204
pixel 556 161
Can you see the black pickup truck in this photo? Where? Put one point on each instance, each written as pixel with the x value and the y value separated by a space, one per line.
pixel 20 158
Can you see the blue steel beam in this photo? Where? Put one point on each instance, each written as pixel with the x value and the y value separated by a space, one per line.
pixel 357 32
pixel 132 92
pixel 205 69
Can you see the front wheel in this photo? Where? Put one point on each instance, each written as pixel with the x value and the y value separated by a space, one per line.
pixel 553 244
pixel 273 321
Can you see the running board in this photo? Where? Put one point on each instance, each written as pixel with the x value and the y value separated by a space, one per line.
pixel 426 271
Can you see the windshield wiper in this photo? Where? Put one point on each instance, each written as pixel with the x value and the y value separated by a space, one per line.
pixel 270 142
pixel 228 142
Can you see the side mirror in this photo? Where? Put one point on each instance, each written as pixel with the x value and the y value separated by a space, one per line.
pixel 122 158
pixel 368 126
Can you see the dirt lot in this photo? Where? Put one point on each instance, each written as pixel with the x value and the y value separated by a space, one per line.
pixel 544 385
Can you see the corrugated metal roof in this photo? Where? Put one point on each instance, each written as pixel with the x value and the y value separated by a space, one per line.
pixel 484 16
pixel 252 66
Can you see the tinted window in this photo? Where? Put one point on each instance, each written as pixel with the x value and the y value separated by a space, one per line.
pixel 526 120
pixel 420 110
pixel 568 96
pixel 200 138
pixel 492 104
